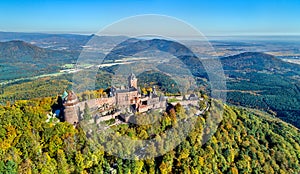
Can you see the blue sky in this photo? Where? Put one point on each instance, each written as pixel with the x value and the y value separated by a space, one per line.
pixel 212 17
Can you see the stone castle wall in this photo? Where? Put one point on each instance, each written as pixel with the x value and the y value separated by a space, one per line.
pixel 94 103
pixel 71 113
pixel 125 99
pixel 186 102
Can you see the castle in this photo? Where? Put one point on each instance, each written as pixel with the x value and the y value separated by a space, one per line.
pixel 128 100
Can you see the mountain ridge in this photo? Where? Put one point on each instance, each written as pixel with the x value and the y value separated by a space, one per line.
pixel 19 49
pixel 258 60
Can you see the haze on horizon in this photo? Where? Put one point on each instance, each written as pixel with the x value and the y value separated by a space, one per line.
pixel 217 17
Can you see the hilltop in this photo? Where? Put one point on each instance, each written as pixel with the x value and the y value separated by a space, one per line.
pixel 19 49
pixel 21 59
pixel 257 61
pixel 263 81
pixel 246 141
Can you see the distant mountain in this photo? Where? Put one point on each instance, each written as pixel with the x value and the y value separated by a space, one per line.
pixel 247 60
pixel 7 36
pixel 263 81
pixel 134 46
pixel 71 42
pixel 257 61
pixel 19 59
pixel 53 41
pixel 184 56
pixel 20 49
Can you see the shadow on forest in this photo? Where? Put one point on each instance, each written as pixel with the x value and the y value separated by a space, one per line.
pixel 58 108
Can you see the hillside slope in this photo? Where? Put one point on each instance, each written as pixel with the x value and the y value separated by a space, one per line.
pixel 19 59
pixel 257 61
pixel 246 141
pixel 260 80
pixel 19 49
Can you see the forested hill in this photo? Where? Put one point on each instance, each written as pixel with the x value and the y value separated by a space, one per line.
pixel 52 41
pixel 257 61
pixel 19 59
pixel 263 81
pixel 19 50
pixel 246 141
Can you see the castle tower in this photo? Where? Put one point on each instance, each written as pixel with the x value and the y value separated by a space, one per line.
pixel 154 90
pixel 70 111
pixel 132 81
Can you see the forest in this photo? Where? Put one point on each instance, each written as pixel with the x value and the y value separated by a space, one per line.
pixel 246 141
pixel 270 92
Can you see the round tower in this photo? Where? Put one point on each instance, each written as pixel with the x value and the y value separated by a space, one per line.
pixel 70 111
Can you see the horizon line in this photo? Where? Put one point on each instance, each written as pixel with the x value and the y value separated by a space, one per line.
pixel 186 37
